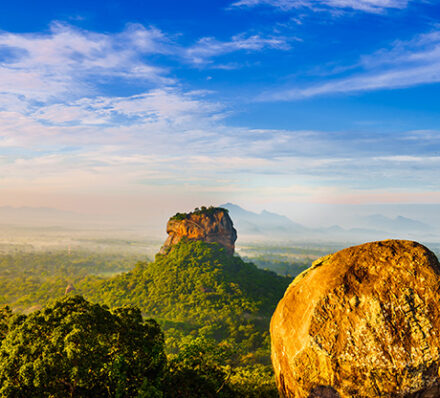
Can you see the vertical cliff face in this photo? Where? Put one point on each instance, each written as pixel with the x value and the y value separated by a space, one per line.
pixel 364 322
pixel 208 224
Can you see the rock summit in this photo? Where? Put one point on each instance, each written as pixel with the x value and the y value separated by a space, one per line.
pixel 211 224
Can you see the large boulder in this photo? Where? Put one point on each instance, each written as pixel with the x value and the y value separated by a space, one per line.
pixel 210 225
pixel 364 322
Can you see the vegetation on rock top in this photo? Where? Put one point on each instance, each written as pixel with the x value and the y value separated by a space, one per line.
pixel 206 211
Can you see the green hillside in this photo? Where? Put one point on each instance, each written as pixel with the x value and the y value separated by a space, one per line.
pixel 213 308
pixel 198 290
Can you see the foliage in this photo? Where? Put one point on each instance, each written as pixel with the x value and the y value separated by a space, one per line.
pixel 77 349
pixel 214 308
pixel 36 278
pixel 206 369
pixel 281 265
pixel 199 370
pixel 288 261
pixel 6 316
pixel 206 211
pixel 74 348
pixel 199 290
pixel 179 216
pixel 256 381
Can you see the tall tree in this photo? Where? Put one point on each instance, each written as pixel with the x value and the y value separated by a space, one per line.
pixel 78 349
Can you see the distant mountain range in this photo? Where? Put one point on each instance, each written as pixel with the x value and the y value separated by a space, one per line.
pixel 396 224
pixel 264 225
pixel 372 227
pixel 248 222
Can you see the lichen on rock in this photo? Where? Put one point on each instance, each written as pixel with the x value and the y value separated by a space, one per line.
pixel 211 225
pixel 363 322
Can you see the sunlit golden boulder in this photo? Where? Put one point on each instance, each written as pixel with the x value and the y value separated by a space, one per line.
pixel 364 322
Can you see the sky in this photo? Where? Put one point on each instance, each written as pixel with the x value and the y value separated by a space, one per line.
pixel 128 107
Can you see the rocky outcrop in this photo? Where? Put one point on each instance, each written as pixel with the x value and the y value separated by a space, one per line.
pixel 206 224
pixel 364 322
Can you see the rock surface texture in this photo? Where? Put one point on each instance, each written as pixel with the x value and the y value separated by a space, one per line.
pixel 209 225
pixel 363 322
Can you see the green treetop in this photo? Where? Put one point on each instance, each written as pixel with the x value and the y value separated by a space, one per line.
pixel 78 349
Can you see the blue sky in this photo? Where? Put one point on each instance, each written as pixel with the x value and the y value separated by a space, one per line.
pixel 112 105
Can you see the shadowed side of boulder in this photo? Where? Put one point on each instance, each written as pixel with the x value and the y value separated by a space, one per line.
pixel 363 322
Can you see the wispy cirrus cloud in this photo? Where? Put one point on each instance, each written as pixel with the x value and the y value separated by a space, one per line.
pixel 67 60
pixel 69 63
pixel 208 48
pixel 52 84
pixel 405 64
pixel 179 139
pixel 60 130
pixel 156 105
pixel 372 6
pixel 53 89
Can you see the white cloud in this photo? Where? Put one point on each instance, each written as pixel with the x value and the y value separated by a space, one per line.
pixel 373 6
pixel 63 61
pixel 155 106
pixel 177 139
pixel 405 64
pixel 58 132
pixel 208 47
pixel 67 63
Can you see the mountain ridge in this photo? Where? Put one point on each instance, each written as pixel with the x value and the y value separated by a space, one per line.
pixel 370 227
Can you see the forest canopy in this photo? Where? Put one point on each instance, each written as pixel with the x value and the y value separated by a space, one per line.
pixel 78 349
pixel 213 308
